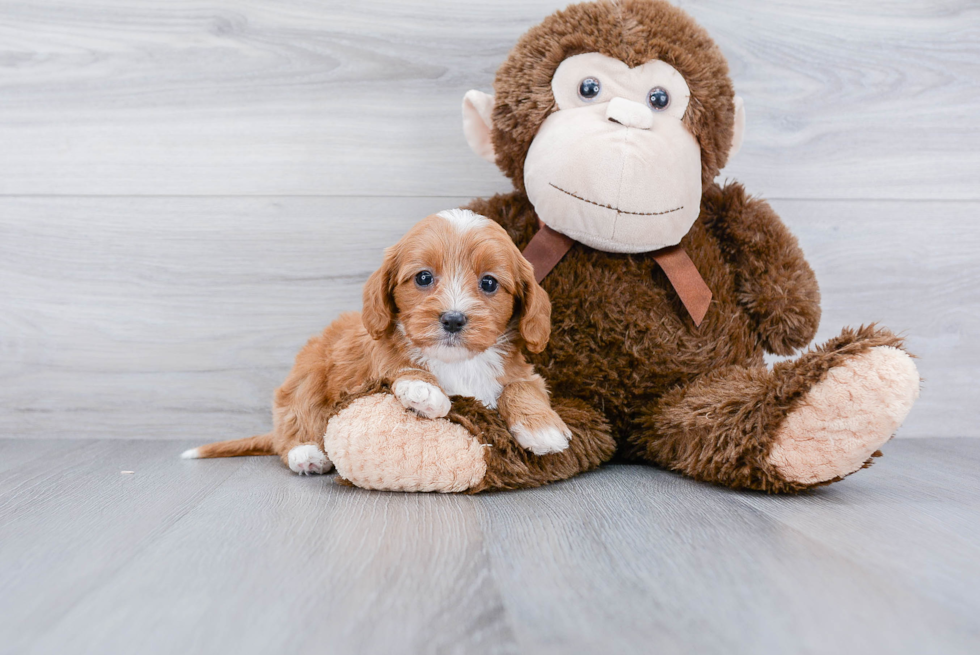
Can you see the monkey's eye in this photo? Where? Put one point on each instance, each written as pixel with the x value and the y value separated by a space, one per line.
pixel 488 284
pixel 588 89
pixel 423 278
pixel 658 98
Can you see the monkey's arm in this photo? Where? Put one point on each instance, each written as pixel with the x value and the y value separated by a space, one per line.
pixel 775 284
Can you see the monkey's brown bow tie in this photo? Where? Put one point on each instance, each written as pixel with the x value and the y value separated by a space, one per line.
pixel 548 247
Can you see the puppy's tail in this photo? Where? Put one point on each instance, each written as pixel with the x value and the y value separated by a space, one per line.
pixel 260 445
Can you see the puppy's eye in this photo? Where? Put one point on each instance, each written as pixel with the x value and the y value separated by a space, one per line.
pixel 658 98
pixel 488 284
pixel 589 88
pixel 423 278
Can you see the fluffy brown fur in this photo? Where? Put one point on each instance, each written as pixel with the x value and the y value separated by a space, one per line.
pixel 631 374
pixel 621 338
pixel 508 465
pixel 390 342
pixel 696 400
pixel 721 427
pixel 633 31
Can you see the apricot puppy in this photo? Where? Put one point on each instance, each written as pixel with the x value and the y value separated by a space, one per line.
pixel 446 314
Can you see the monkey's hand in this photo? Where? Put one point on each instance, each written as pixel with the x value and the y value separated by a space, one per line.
pixel 775 284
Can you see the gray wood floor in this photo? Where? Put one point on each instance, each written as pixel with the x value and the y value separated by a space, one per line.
pixel 241 556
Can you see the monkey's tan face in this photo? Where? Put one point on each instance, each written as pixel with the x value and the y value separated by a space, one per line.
pixel 615 167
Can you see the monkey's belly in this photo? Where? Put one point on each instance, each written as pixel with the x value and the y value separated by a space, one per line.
pixel 621 346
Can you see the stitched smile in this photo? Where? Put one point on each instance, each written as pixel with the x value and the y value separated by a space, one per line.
pixel 617 209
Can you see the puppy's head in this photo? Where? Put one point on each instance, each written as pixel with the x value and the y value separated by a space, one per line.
pixel 456 285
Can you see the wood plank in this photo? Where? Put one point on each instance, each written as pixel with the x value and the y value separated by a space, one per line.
pixel 173 318
pixel 243 556
pixel 67 525
pixel 14 454
pixel 363 98
pixel 178 317
pixel 834 91
pixel 272 562
pixel 891 518
pixel 630 559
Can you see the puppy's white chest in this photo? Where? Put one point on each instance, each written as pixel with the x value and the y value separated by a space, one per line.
pixel 477 377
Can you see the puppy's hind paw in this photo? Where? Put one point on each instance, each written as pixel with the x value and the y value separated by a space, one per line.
pixel 426 399
pixel 308 460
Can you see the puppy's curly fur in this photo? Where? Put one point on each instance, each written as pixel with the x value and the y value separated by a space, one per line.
pixel 448 312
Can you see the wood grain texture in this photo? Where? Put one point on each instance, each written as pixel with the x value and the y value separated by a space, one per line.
pixel 271 562
pixel 174 317
pixel 874 99
pixel 850 522
pixel 178 317
pixel 69 521
pixel 241 556
pixel 692 565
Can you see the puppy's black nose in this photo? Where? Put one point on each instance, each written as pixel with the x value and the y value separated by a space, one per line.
pixel 453 322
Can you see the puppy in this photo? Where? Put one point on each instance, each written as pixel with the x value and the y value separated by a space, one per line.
pixel 446 314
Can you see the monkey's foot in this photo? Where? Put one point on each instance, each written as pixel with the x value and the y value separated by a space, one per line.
pixel 846 417
pixel 376 443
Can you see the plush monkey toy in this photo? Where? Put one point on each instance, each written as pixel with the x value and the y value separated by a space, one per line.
pixel 613 119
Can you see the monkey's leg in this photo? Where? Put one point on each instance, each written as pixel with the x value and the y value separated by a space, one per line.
pixel 806 422
pixel 376 443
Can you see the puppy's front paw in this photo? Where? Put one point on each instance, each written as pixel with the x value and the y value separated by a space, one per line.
pixel 544 437
pixel 426 399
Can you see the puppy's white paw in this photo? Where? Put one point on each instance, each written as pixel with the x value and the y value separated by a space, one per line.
pixel 543 440
pixel 308 460
pixel 426 399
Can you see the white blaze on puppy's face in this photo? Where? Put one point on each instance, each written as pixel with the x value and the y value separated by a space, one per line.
pixel 463 219
pixel 613 168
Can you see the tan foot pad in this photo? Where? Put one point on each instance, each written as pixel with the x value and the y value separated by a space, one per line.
pixel 375 443
pixel 846 417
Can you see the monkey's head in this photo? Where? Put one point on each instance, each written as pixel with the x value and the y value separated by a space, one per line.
pixel 611 117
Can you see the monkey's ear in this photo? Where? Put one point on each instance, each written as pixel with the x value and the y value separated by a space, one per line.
pixel 739 131
pixel 477 123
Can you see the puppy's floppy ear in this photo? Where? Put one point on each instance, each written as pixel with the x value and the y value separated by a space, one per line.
pixel 535 320
pixel 378 314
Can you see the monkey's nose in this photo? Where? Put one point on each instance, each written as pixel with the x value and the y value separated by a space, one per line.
pixel 629 113
pixel 452 322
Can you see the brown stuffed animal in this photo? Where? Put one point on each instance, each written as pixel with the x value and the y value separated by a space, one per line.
pixel 613 119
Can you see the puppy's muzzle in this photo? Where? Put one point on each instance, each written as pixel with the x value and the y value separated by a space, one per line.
pixel 452 322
